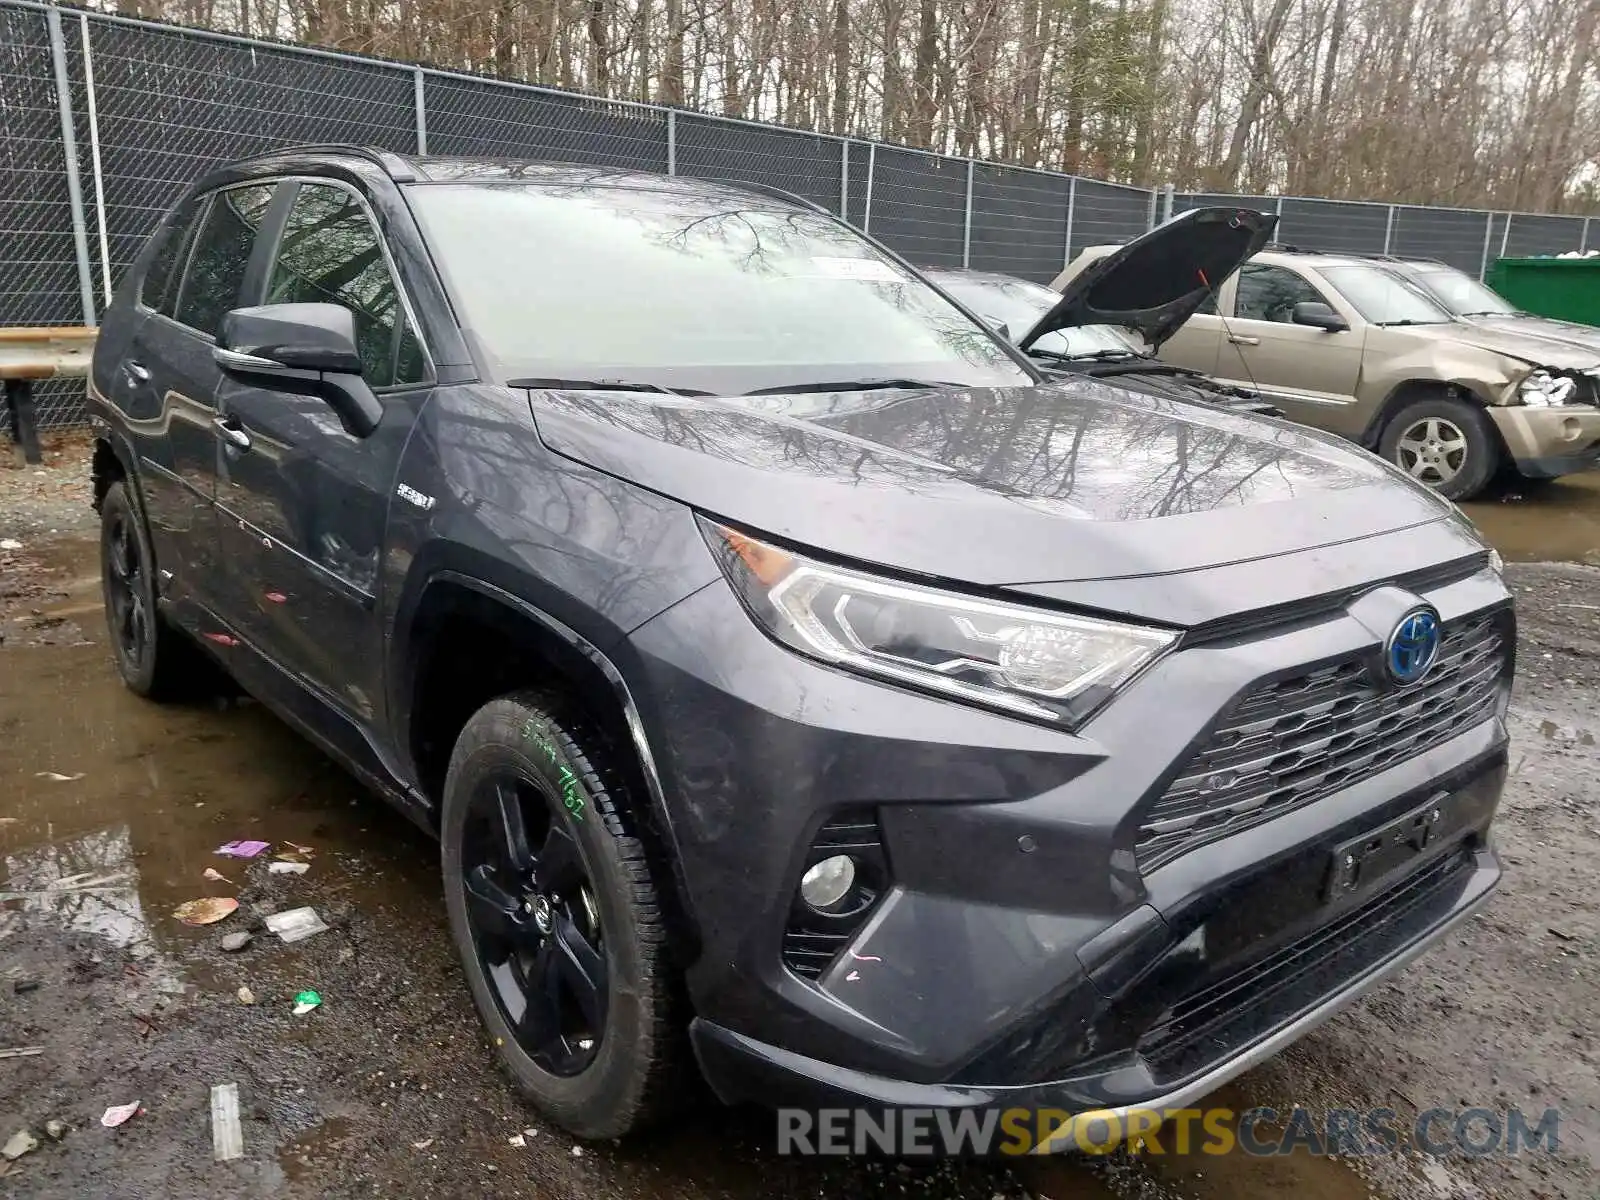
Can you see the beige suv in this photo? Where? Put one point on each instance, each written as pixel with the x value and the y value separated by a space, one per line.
pixel 1350 345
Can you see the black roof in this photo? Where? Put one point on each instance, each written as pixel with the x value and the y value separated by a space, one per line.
pixel 415 168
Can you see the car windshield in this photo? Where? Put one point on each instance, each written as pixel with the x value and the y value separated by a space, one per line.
pixel 1384 297
pixel 1462 294
pixel 1018 304
pixel 708 291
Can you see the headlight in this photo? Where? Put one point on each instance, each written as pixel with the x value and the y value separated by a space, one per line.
pixel 1542 389
pixel 1044 665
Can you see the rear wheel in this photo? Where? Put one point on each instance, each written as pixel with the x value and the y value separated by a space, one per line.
pixel 1448 444
pixel 556 917
pixel 153 659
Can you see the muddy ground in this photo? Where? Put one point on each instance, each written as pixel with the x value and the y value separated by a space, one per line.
pixel 389 1088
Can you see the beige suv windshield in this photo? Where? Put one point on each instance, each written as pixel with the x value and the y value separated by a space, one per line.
pixel 1384 298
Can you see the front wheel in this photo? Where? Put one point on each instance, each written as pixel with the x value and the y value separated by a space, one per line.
pixel 1448 444
pixel 556 917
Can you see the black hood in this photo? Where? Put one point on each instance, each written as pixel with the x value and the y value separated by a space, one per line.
pixel 1157 282
pixel 991 486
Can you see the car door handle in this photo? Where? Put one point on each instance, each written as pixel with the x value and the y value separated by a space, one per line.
pixel 231 433
pixel 1241 340
pixel 136 371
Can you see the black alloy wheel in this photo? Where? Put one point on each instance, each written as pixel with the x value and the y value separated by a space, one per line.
pixel 535 924
pixel 128 613
pixel 554 910
pixel 153 659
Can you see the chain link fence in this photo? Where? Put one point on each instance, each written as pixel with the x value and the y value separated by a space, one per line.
pixel 1466 238
pixel 149 107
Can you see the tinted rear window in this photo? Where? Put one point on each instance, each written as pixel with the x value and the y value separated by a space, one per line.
pixel 159 287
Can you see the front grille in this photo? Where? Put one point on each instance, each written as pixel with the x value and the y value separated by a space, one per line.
pixel 1215 1020
pixel 1289 743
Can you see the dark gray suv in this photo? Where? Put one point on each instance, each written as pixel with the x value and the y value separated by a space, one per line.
pixel 791 675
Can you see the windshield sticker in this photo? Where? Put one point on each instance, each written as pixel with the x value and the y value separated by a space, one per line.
pixel 870 269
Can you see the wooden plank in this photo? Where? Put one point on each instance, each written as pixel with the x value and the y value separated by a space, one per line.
pixel 29 333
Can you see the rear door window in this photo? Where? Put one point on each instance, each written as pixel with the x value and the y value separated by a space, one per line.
pixel 215 273
pixel 331 253
pixel 159 288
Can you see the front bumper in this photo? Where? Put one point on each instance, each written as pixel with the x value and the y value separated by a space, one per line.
pixel 742 1069
pixel 1022 956
pixel 1547 442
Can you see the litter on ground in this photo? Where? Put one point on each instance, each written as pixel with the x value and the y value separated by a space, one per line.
pixel 21 1051
pixel 246 996
pixel 19 1144
pixel 242 849
pixel 207 910
pixel 58 777
pixel 215 876
pixel 118 1113
pixel 288 868
pixel 305 1001
pixel 296 924
pixel 227 1139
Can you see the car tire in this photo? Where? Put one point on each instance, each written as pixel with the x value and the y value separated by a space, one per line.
pixel 1450 445
pixel 155 660
pixel 565 781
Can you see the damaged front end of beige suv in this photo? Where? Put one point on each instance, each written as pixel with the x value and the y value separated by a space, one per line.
pixel 1353 346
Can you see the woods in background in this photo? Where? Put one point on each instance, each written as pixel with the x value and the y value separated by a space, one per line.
pixel 1457 102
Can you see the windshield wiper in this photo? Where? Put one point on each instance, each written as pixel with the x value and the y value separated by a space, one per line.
pixel 1408 321
pixel 1145 366
pixel 1087 356
pixel 853 385
pixel 602 385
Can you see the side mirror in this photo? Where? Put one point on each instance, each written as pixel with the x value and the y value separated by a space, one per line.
pixel 1319 316
pixel 306 349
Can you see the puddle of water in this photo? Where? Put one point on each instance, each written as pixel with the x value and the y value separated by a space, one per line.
pixel 114 852
pixel 1197 1175
pixel 1557 522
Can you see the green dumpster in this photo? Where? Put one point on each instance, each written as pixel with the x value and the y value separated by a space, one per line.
pixel 1565 288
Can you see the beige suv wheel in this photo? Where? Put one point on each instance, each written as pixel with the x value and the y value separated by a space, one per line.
pixel 1448 444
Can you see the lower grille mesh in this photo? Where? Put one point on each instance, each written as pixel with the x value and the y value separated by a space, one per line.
pixel 1289 743
pixel 1202 1026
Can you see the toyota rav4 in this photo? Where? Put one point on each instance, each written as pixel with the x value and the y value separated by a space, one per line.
pixel 790 674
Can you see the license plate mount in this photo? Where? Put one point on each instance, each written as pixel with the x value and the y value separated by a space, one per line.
pixel 1361 860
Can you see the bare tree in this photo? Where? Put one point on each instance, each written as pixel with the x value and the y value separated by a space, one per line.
pixel 1465 102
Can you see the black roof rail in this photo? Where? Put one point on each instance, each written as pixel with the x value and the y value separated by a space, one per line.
pixel 394 165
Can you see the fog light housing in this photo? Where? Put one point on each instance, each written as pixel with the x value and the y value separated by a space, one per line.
pixel 828 882
pixel 840 880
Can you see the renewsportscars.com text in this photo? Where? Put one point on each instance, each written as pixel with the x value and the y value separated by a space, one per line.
pixel 1261 1132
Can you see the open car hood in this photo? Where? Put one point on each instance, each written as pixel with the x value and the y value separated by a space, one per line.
pixel 1157 282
